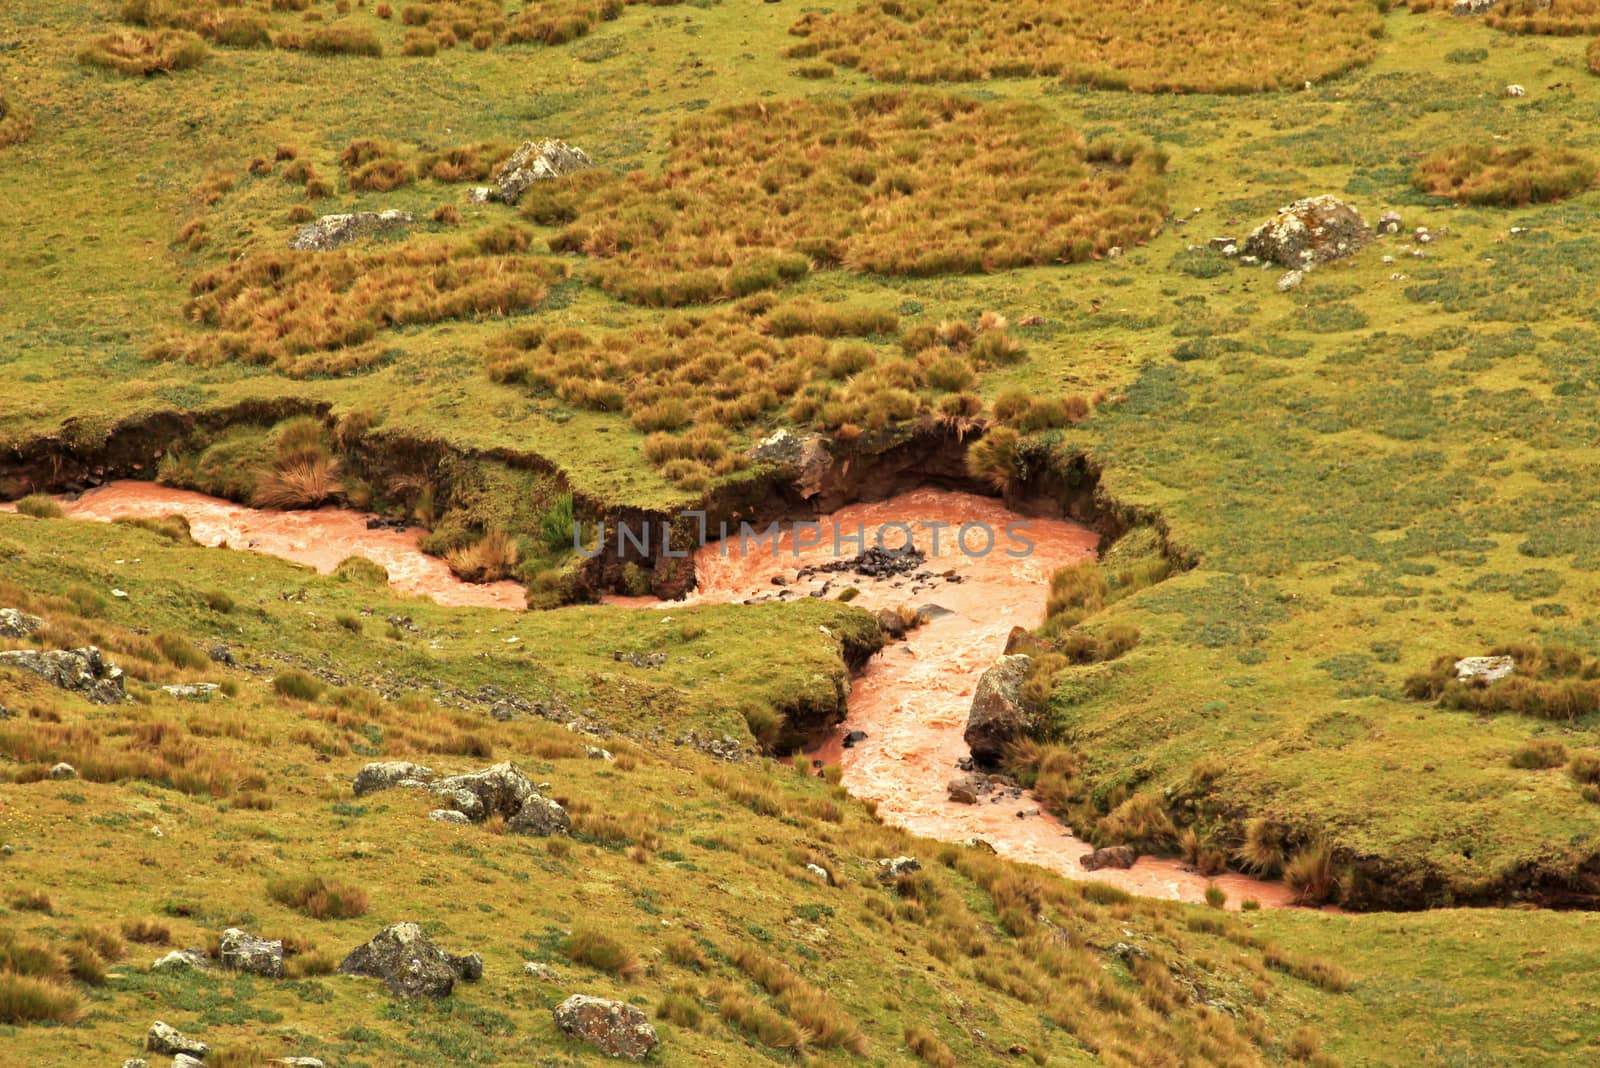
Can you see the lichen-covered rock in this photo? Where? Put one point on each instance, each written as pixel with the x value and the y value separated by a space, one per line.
pixel 1482 670
pixel 1472 7
pixel 540 816
pixel 535 161
pixel 449 815
pixel 84 671
pixel 1308 232
pixel 1110 857
pixel 405 958
pixel 499 790
pixel 164 1038
pixel 182 960
pixel 245 952
pixel 997 717
pixel 332 231
pixel 891 868
pixel 192 691
pixel 615 1028
pixel 387 774
pixel 17 624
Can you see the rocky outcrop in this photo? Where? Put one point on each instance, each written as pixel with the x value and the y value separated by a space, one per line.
pixel 535 161
pixel 1308 232
pixel 1110 857
pixel 164 1038
pixel 244 952
pixel 615 1028
pixel 997 718
pixel 17 624
pixel 84 671
pixel 333 231
pixel 405 958
pixel 499 790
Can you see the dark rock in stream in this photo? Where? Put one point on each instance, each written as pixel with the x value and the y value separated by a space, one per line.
pixel 854 738
pixel 874 563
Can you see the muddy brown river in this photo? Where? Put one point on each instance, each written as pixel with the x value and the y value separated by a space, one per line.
pixel 911 701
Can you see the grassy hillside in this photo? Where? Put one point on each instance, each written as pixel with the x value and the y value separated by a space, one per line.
pixel 1389 464
pixel 683 887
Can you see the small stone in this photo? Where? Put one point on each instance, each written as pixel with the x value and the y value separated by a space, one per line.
pixel 1120 856
pixel 300 1062
pixel 183 1060
pixel 1515 90
pixel 449 815
pixel 164 1038
pixel 135 1062
pixel 853 739
pixel 615 1028
pixel 963 789
pixel 541 971
pixel 820 873
pixel 1390 222
pixel 1290 280
pixel 63 771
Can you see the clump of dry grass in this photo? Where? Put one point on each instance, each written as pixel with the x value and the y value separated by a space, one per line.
pixel 557 22
pixel 331 41
pixel 319 897
pixel 1505 177
pixel 925 1045
pixel 142 53
pixel 16 122
pixel 692 378
pixel 593 947
pixel 1233 46
pixel 1592 55
pixel 489 559
pixel 821 1020
pixel 904 183
pixel 318 313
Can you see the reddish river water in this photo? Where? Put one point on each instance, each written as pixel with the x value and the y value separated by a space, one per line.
pixel 911 701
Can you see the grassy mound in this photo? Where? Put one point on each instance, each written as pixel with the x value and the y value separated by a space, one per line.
pixel 318 313
pixel 1505 177
pixel 137 53
pixel 893 183
pixel 692 379
pixel 1236 46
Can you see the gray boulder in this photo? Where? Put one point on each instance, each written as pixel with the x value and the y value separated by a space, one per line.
pixel 17 624
pixel 997 717
pixel 84 671
pixel 615 1028
pixel 387 774
pixel 1308 232
pixel 183 1060
pixel 535 161
pixel 164 1038
pixel 449 815
pixel 1483 670
pixel 244 952
pixel 333 231
pixel 540 816
pixel 405 958
pixel 499 790
pixel 1466 8
pixel 1110 857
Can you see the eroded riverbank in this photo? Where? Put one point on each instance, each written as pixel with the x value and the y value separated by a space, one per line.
pixel 321 538
pixel 911 701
